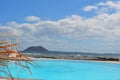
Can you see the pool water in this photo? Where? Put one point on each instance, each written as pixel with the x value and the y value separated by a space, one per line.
pixel 69 70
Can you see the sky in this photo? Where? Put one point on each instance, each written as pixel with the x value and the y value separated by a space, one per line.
pixel 63 25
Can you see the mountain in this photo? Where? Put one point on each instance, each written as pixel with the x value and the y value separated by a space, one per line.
pixel 36 49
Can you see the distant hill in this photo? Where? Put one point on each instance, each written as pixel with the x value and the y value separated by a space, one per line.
pixel 36 49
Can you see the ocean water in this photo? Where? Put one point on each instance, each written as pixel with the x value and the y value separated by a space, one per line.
pixel 110 55
pixel 67 70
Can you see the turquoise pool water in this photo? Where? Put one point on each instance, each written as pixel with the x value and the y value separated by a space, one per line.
pixel 69 70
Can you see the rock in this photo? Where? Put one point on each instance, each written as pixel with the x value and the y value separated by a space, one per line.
pixel 36 49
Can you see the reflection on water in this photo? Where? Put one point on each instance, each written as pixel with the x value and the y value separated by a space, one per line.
pixel 3 63
pixel 7 67
pixel 4 69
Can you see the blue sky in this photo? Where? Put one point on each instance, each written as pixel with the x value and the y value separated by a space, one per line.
pixel 63 25
pixel 17 10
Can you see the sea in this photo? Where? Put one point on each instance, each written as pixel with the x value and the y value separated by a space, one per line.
pixel 107 55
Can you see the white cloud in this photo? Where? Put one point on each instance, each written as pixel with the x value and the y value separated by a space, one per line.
pixel 104 7
pixel 115 5
pixel 103 26
pixel 32 18
pixel 101 4
pixel 90 8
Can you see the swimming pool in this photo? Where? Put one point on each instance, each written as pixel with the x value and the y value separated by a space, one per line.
pixel 69 70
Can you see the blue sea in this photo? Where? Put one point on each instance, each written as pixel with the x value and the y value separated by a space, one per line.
pixel 109 55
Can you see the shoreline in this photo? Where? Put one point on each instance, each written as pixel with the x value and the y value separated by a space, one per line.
pixel 113 62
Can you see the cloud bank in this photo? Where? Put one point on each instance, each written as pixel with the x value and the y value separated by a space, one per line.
pixel 102 26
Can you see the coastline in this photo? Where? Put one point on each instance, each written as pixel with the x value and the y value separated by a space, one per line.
pixel 113 62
